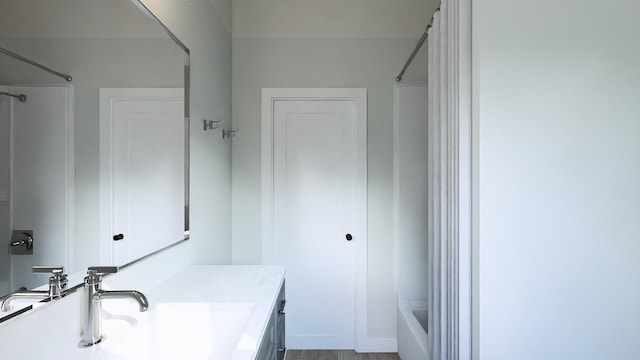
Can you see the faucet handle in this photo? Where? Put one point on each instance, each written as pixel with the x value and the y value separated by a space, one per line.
pixel 102 270
pixel 57 282
pixel 46 269
pixel 94 274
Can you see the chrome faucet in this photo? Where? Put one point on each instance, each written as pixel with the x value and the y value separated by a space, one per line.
pixel 57 287
pixel 94 295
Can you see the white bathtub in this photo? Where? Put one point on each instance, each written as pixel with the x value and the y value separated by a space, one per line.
pixel 412 333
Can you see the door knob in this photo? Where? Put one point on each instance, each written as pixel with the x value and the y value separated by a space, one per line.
pixel 118 237
pixel 349 237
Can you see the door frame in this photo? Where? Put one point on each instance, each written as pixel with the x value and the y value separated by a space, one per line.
pixel 359 97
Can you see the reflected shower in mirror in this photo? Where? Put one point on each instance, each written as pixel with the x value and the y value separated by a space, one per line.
pixel 93 171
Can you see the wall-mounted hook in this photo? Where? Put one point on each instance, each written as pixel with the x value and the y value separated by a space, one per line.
pixel 212 124
pixel 229 133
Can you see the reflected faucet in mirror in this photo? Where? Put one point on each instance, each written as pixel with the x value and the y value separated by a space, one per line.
pixel 21 242
pixel 94 295
pixel 57 287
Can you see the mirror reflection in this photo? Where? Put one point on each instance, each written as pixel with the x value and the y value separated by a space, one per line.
pixel 92 170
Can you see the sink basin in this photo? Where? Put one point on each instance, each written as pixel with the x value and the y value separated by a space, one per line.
pixel 176 331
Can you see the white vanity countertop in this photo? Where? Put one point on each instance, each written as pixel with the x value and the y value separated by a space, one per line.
pixel 202 312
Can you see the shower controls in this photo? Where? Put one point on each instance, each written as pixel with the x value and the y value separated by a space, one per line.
pixel 21 242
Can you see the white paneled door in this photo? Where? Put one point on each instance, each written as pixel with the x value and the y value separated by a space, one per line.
pixel 142 171
pixel 315 218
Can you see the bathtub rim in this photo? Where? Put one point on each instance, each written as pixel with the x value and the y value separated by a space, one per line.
pixel 405 308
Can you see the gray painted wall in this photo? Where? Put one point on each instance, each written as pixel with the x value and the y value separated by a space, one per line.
pixel 366 63
pixel 410 201
pixel 198 25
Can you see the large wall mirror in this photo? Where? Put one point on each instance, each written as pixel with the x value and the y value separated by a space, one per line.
pixel 93 169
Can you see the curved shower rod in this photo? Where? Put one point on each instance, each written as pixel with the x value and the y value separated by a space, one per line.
pixel 33 63
pixel 20 97
pixel 418 46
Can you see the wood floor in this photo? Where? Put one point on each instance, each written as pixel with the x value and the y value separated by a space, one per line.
pixel 338 355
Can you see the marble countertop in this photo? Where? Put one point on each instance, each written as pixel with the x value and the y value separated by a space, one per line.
pixel 202 312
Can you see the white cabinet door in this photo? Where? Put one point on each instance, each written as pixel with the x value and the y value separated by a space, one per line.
pixel 142 172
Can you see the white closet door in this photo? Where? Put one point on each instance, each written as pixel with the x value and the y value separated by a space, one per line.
pixel 314 210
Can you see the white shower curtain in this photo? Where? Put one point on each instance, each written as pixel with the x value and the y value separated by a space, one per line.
pixel 449 178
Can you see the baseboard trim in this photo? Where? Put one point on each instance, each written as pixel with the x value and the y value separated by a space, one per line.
pixel 378 345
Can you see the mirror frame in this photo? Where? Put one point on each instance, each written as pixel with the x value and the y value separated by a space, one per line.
pixel 187 92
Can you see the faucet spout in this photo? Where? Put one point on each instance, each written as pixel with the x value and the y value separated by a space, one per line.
pixel 124 294
pixel 7 303
pixel 94 295
pixel 57 288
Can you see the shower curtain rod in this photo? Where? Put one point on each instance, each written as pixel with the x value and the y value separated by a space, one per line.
pixel 418 46
pixel 21 97
pixel 33 63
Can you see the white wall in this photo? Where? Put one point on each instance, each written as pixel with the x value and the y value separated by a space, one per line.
pixel 556 95
pixel 342 44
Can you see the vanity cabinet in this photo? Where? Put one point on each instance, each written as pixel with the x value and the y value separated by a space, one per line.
pixel 272 346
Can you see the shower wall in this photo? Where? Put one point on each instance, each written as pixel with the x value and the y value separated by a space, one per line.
pixel 36 180
pixel 42 178
pixel 410 190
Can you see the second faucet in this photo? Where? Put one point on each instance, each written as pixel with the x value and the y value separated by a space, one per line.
pixel 94 296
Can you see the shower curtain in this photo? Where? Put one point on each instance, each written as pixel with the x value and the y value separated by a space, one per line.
pixel 449 182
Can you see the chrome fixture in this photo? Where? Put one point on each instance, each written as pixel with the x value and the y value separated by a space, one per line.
pixel 57 287
pixel 33 63
pixel 94 294
pixel 228 134
pixel 417 48
pixel 21 242
pixel 212 124
pixel 20 97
